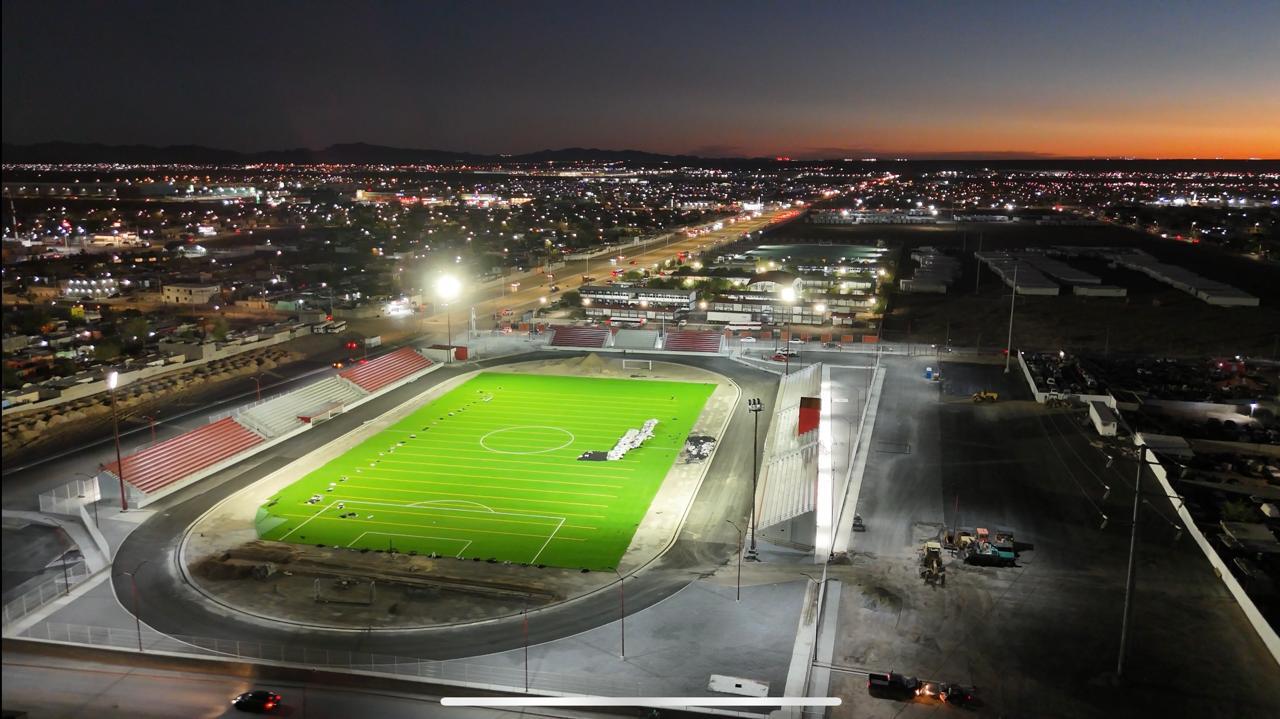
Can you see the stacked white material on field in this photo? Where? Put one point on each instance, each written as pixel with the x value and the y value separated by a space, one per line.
pixel 632 440
pixel 279 415
pixel 1215 293
pixel 935 273
pixel 789 467
pixel 1031 281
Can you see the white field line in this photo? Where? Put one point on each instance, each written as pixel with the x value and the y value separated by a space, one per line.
pixel 544 544
pixel 465 542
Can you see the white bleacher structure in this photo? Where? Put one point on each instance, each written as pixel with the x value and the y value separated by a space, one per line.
pixel 787 488
pixel 635 339
pixel 281 415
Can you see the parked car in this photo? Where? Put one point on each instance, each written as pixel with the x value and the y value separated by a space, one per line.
pixel 832 345
pixel 258 700
pixel 747 339
pixel 892 685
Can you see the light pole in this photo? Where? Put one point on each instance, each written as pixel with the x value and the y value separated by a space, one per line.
pixel 754 406
pixel 738 593
pixel 113 379
pixel 257 385
pixel 1008 345
pixel 133 584
pixel 1129 575
pixel 622 609
pixel 152 420
pixel 448 288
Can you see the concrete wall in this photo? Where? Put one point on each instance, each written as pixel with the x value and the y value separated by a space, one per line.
pixel 1220 569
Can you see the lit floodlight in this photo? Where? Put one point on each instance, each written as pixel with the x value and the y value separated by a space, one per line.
pixel 819 308
pixel 448 287
pixel 113 379
pixel 788 294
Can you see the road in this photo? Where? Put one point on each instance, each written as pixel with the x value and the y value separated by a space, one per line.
pixel 489 298
pixel 93 684
pixel 706 541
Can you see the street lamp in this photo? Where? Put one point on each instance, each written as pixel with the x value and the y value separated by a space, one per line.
pixel 133 585
pixel 448 288
pixel 113 379
pixel 738 593
pixel 754 406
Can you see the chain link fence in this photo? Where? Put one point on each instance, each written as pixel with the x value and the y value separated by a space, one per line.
pixel 48 590
pixel 509 678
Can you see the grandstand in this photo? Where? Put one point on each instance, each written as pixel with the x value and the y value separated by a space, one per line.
pixel 789 468
pixel 592 337
pixel 636 339
pixel 280 415
pixel 387 369
pixel 693 341
pixel 159 466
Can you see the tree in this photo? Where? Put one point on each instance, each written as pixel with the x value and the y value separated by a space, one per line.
pixel 571 298
pixel 106 350
pixel 134 330
pixel 220 329
pixel 633 276
pixel 12 380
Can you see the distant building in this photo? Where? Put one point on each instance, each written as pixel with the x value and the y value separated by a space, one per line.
pixel 79 287
pixel 189 294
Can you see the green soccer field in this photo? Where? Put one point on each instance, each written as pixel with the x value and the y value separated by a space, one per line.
pixel 490 470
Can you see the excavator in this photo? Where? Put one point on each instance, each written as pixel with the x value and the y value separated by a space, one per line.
pixel 931 569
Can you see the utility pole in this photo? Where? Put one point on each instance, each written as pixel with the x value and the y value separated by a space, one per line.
pixel 1008 353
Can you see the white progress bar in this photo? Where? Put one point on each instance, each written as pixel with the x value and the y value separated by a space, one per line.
pixel 640 701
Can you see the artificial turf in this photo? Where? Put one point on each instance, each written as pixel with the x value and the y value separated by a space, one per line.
pixel 490 470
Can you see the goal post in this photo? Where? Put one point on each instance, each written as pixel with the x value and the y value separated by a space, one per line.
pixel 637 364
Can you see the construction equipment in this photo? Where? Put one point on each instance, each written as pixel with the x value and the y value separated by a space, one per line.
pixel 985 395
pixel 858 524
pixel 982 551
pixel 931 569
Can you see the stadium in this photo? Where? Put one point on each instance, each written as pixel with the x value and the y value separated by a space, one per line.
pixel 540 479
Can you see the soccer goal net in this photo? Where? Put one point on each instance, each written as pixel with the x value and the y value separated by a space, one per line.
pixel 637 364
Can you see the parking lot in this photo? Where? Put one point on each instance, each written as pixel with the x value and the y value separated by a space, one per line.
pixel 1040 638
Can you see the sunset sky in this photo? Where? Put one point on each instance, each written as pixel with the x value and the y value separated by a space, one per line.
pixel 806 79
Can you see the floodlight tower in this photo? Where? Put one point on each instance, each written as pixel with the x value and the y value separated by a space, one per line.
pixel 448 288
pixel 754 406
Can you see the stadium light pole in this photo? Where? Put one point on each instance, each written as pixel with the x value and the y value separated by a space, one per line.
pixel 448 288
pixel 113 379
pixel 754 406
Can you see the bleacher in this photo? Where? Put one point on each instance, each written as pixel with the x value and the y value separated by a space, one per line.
pixel 384 370
pixel 156 467
pixel 280 415
pixel 636 339
pixel 693 341
pixel 789 467
pixel 580 337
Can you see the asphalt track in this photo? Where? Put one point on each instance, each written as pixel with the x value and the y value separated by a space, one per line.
pixel 166 604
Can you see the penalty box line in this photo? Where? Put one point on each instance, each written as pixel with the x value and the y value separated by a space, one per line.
pixel 465 542
pixel 486 510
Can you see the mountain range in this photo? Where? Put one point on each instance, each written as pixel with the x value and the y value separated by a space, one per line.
pixel 346 153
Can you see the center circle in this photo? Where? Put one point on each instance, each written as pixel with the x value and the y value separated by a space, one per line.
pixel 526 439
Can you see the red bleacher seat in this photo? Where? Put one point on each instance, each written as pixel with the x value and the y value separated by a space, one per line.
pixel 580 337
pixel 169 461
pixel 692 341
pixel 378 373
